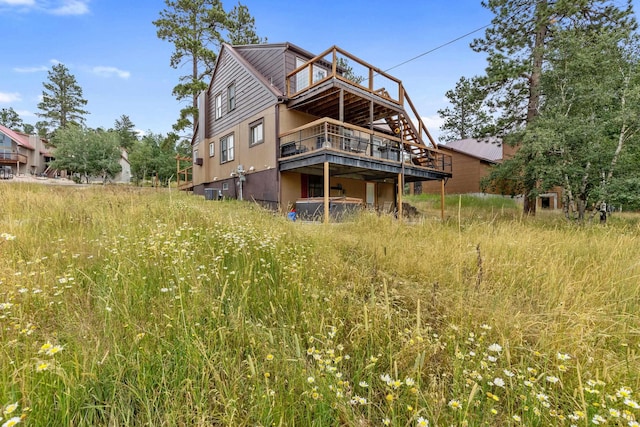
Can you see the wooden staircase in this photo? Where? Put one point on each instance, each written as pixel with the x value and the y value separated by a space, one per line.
pixel 412 141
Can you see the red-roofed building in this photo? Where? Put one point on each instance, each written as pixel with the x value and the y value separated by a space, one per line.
pixel 22 154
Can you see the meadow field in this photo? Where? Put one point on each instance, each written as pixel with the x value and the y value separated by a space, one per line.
pixel 142 307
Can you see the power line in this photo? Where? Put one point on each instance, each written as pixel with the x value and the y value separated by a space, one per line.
pixel 438 47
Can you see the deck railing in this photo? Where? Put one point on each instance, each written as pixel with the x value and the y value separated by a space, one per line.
pixel 332 134
pixel 12 157
pixel 340 64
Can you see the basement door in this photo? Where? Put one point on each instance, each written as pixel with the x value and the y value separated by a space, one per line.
pixel 371 194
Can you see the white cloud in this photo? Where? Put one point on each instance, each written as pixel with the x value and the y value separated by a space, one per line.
pixel 71 7
pixel 18 2
pixel 30 69
pixel 54 7
pixel 433 123
pixel 110 71
pixel 25 113
pixel 6 98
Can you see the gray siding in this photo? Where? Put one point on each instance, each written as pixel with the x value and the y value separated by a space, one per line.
pixel 251 95
pixel 268 62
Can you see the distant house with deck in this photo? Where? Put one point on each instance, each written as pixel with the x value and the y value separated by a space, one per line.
pixel 22 154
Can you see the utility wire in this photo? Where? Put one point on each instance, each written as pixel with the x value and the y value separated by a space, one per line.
pixel 438 47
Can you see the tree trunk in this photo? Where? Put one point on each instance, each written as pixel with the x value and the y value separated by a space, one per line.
pixel 534 90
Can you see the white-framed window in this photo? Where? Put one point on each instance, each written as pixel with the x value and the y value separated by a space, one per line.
pixel 218 105
pixel 225 186
pixel 231 97
pixel 226 148
pixel 212 149
pixel 256 132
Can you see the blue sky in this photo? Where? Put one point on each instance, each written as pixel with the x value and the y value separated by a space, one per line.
pixel 111 47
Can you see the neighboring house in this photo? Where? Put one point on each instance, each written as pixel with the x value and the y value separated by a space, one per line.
pixel 472 160
pixel 23 154
pixel 283 127
pixel 124 176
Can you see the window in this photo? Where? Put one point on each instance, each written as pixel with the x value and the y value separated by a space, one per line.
pixel 212 149
pixel 231 97
pixel 226 149
pixel 256 134
pixel 225 186
pixel 218 106
pixel 195 155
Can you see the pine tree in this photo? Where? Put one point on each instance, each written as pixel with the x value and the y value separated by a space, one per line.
pixel 126 129
pixel 62 99
pixel 466 117
pixel 9 118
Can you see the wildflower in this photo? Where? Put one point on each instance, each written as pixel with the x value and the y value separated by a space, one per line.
pixel 485 327
pixel 494 411
pixel 563 356
pixel 562 368
pixel 498 382
pixel 552 379
pixel 624 392
pixel 386 421
pixel 598 419
pixel 631 403
pixel 516 418
pixel 267 374
pixel 269 356
pixel 53 350
pixel 45 347
pixel 11 422
pixel 410 382
pixel 633 423
pixel 454 404
pixel 386 378
pixel 390 397
pixel 614 412
pixel 363 384
pixel 508 373
pixel 42 366
pixel 311 380
pixel 10 408
pixel 495 348
pixel 422 422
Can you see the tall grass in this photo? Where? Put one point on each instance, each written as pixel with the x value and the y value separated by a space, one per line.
pixel 143 307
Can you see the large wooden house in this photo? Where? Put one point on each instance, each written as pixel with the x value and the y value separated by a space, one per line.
pixel 286 128
pixel 22 154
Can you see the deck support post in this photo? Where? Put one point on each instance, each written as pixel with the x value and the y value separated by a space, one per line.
pixel 442 199
pixel 400 191
pixel 326 192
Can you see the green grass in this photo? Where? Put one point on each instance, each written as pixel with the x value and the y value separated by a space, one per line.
pixel 175 311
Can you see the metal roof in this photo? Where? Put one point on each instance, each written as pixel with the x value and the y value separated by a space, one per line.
pixel 485 148
pixel 20 138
